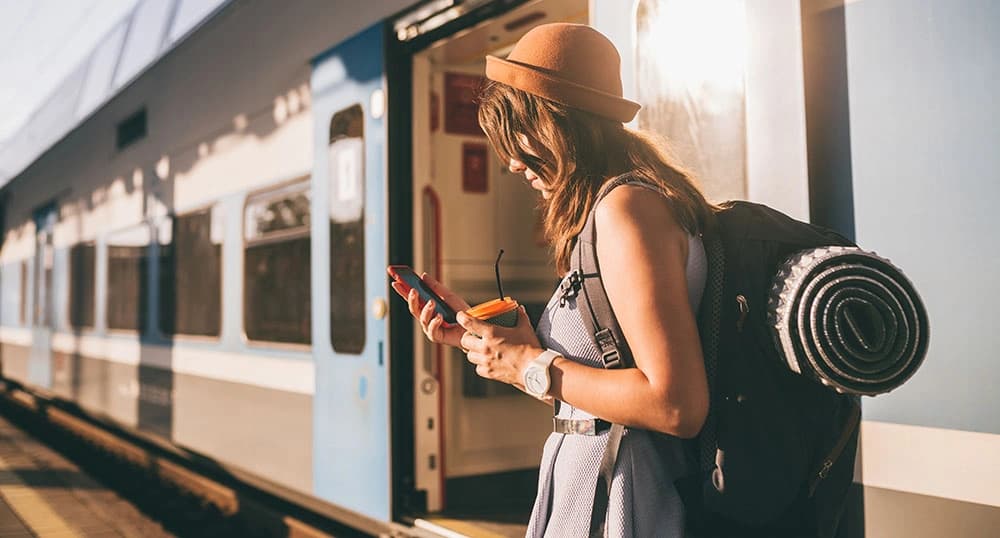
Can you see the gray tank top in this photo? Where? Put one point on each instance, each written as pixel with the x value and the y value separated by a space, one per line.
pixel 643 500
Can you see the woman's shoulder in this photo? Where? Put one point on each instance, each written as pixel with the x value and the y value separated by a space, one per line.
pixel 636 206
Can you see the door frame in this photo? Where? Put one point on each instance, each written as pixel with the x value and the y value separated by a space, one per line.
pixel 406 500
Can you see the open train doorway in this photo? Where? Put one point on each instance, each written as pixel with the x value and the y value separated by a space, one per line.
pixel 477 442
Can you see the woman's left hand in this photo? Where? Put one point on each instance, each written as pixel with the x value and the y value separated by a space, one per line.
pixel 500 353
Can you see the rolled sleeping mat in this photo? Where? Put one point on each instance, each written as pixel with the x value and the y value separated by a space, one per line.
pixel 849 319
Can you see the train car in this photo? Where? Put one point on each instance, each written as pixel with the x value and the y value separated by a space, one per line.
pixel 201 259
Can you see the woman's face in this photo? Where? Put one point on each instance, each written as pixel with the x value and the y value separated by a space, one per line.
pixel 530 177
pixel 518 167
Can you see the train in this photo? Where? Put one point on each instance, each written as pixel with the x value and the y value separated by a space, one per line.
pixel 200 260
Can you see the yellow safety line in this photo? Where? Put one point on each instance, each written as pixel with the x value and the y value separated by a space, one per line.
pixel 31 507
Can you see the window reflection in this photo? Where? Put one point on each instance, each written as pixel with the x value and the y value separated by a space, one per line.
pixel 23 312
pixel 276 273
pixel 81 285
pixel 347 230
pixel 128 266
pixel 190 258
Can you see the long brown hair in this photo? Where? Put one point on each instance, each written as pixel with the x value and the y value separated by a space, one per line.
pixel 575 152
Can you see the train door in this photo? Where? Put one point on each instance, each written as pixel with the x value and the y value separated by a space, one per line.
pixel 351 411
pixel 43 312
pixel 477 442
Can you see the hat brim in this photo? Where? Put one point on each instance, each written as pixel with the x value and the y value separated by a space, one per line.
pixel 539 82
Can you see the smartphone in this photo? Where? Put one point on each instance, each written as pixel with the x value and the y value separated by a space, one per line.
pixel 406 275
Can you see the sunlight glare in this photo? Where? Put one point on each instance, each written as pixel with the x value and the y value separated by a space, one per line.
pixel 700 46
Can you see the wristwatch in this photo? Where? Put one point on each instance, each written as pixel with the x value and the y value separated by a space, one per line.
pixel 536 375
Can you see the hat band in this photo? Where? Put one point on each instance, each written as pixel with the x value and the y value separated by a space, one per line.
pixel 537 82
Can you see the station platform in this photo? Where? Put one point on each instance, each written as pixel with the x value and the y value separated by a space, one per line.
pixel 43 494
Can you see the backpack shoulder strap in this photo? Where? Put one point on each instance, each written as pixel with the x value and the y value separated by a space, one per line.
pixel 600 320
pixel 709 330
pixel 596 310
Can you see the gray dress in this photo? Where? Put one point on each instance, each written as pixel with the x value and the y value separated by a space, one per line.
pixel 643 500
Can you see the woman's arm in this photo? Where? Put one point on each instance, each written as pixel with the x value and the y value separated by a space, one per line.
pixel 643 255
pixel 439 332
pixel 642 251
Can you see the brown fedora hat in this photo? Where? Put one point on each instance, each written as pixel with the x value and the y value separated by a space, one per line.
pixel 572 64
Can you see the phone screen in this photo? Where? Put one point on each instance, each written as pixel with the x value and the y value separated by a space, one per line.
pixel 406 275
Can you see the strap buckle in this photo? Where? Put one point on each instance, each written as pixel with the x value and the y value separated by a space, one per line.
pixel 570 286
pixel 609 350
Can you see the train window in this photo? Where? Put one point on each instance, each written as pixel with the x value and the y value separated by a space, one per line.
pixel 24 293
pixel 690 80
pixel 276 268
pixel 346 152
pixel 81 285
pixel 190 278
pixel 128 267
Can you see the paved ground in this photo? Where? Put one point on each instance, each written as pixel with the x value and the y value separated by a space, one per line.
pixel 43 494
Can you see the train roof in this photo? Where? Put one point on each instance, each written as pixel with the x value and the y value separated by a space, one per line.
pixel 139 40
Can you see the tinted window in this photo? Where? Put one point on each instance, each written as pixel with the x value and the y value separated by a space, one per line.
pixel 44 261
pixel 190 258
pixel 277 306
pixel 127 284
pixel 346 152
pixel 24 293
pixel 81 285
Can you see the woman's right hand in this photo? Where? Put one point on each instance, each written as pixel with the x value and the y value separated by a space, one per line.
pixel 435 328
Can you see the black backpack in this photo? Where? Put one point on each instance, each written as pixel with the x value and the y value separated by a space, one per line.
pixel 776 454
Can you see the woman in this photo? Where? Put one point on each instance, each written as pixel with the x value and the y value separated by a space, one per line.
pixel 555 112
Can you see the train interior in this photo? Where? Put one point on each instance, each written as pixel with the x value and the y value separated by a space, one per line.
pixel 474 436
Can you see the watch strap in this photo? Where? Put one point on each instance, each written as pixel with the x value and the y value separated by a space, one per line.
pixel 545 358
pixel 543 362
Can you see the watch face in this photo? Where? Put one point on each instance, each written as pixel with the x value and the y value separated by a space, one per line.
pixel 534 381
